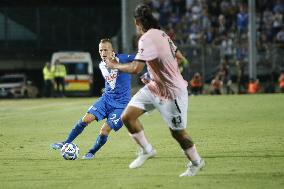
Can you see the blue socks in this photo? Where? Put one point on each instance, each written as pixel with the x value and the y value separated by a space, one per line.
pixel 101 140
pixel 78 129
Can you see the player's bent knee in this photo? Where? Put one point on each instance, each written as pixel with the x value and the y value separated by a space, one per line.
pixel 182 138
pixel 125 118
pixel 105 130
pixel 131 114
pixel 88 118
pixel 87 121
pixel 177 134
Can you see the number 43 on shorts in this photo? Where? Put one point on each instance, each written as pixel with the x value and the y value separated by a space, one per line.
pixel 176 121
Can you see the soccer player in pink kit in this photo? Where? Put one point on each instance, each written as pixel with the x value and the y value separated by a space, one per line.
pixel 165 90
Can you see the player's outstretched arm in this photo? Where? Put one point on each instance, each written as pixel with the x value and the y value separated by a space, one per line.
pixel 134 67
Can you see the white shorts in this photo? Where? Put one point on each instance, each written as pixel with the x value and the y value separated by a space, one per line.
pixel 174 112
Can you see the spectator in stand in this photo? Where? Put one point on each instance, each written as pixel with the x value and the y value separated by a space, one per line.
pixel 216 85
pixel 225 5
pixel 267 19
pixel 196 84
pixel 206 20
pixel 189 4
pixel 281 82
pixel 195 33
pixel 226 46
pixel 242 20
pixel 262 43
pixel 225 76
pixel 240 76
pixel 207 29
pixel 277 22
pixel 280 38
pixel 196 10
pixel 253 86
pixel 279 6
pixel 174 19
pixel 223 36
pixel 231 14
pixel 222 24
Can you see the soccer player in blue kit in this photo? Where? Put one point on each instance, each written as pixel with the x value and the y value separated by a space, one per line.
pixel 116 96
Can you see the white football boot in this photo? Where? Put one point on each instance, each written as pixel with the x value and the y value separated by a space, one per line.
pixel 57 146
pixel 142 157
pixel 192 169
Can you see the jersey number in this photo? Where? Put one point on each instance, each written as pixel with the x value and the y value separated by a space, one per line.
pixel 171 44
pixel 115 121
pixel 176 121
pixel 172 47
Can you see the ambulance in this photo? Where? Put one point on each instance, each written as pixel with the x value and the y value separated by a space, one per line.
pixel 79 68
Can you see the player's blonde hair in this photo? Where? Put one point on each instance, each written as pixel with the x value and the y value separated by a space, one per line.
pixel 106 40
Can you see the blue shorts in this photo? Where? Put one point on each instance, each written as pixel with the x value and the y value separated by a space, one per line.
pixel 101 109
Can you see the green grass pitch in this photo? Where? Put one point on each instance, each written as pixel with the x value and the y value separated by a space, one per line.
pixel 241 139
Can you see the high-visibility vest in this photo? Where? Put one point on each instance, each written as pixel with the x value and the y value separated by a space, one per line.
pixel 47 73
pixel 252 88
pixel 195 83
pixel 59 71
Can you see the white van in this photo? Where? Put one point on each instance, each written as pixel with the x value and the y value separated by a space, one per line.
pixel 79 68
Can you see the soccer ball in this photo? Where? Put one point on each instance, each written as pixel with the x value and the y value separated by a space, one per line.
pixel 70 151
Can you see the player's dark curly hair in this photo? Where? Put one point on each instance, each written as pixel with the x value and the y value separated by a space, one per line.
pixel 143 14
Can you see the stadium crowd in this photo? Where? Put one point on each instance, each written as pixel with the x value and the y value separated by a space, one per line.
pixel 224 24
pixel 219 22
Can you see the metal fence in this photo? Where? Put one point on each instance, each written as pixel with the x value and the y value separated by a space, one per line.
pixel 206 60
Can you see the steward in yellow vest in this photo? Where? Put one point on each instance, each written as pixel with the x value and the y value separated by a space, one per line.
pixel 59 72
pixel 48 77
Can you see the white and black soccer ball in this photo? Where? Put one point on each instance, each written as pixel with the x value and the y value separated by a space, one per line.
pixel 70 151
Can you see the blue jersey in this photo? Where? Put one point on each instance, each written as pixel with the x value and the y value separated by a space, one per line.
pixel 117 84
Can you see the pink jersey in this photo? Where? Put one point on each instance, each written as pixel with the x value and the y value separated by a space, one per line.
pixel 166 79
